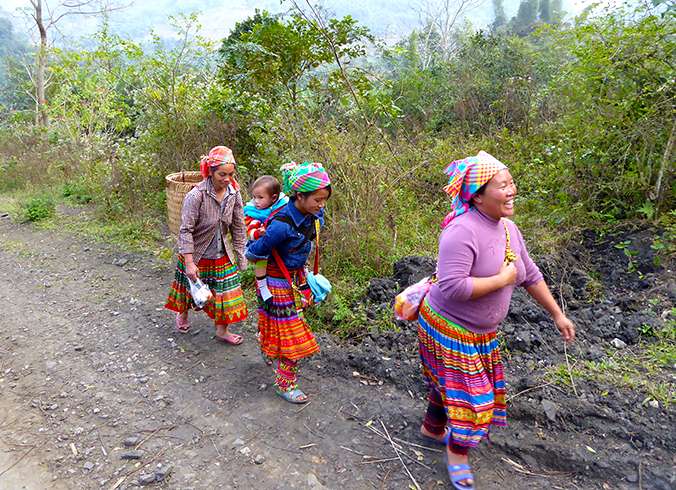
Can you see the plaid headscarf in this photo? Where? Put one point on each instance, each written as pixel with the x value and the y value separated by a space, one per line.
pixel 304 177
pixel 218 155
pixel 465 178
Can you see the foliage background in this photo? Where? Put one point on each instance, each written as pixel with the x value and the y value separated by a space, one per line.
pixel 581 111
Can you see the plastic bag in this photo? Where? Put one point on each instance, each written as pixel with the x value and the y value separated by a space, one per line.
pixel 407 303
pixel 200 292
pixel 320 286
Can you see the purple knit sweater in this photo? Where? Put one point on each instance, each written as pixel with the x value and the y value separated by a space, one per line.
pixel 473 245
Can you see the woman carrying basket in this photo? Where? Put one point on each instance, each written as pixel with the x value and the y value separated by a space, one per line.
pixel 284 332
pixel 210 211
pixel 482 258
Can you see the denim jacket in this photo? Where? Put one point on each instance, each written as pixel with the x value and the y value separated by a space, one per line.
pixel 289 242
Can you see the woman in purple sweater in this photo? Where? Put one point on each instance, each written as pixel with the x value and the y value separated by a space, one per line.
pixel 482 258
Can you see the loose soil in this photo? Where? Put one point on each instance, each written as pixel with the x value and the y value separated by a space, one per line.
pixel 90 360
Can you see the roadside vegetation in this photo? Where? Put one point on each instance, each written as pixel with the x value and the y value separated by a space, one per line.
pixel 582 110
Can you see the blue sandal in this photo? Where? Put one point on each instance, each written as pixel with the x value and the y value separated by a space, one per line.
pixel 293 396
pixel 458 473
pixel 442 442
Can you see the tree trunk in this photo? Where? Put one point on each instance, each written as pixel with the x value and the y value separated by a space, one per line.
pixel 41 68
pixel 667 161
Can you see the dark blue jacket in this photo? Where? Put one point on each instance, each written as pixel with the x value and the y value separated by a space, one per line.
pixel 292 245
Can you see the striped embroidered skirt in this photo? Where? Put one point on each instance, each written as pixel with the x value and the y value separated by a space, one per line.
pixel 466 369
pixel 222 277
pixel 284 332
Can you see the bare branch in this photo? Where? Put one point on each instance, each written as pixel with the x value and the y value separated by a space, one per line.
pixel 32 95
pixel 103 10
pixel 30 74
pixel 319 22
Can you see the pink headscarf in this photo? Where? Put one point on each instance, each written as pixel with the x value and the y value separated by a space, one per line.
pixel 218 155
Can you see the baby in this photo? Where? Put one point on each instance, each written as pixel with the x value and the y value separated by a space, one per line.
pixel 268 198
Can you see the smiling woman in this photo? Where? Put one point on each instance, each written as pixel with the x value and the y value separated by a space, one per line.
pixel 496 198
pixel 482 257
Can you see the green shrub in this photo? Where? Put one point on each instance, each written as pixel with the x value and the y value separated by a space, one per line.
pixel 37 208
pixel 77 192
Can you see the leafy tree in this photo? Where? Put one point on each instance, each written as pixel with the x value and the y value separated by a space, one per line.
pixel 176 82
pixel 500 18
pixel 525 18
pixel 557 12
pixel 272 56
pixel 46 17
pixel 13 78
pixel 616 109
pixel 545 11
pixel 93 89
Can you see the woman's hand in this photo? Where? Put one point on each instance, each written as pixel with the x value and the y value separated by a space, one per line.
pixel 508 273
pixel 192 271
pixel 566 327
pixel 482 286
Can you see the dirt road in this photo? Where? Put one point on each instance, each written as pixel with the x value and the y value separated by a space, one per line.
pixel 89 361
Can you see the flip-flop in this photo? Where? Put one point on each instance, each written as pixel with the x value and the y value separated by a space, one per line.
pixel 227 340
pixel 458 473
pixel 182 326
pixel 293 396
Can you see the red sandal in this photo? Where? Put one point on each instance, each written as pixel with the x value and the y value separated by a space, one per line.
pixel 182 326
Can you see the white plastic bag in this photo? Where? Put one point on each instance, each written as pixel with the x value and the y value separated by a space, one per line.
pixel 200 293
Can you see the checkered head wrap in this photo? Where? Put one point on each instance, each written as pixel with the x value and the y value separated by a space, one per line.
pixel 465 178
pixel 304 177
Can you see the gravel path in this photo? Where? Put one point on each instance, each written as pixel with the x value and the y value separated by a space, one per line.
pixel 92 372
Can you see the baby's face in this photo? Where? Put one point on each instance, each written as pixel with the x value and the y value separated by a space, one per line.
pixel 262 197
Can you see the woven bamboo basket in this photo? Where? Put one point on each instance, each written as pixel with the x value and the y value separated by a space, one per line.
pixel 178 185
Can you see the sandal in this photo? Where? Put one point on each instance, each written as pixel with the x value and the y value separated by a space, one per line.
pixel 458 473
pixel 294 395
pixel 182 326
pixel 441 442
pixel 230 338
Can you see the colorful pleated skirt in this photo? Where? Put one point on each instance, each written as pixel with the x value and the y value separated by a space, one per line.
pixel 284 332
pixel 466 369
pixel 222 277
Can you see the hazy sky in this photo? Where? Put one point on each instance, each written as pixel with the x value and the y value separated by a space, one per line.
pixel 386 18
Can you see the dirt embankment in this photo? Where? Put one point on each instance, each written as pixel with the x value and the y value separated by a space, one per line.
pixel 98 391
pixel 601 412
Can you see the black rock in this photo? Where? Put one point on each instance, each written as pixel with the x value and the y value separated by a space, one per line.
pixel 131 441
pixel 410 270
pixel 520 341
pixel 579 280
pixel 595 353
pixel 131 455
pixel 146 479
pixel 163 472
pixel 382 290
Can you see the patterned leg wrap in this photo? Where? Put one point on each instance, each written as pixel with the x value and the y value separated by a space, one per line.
pixel 286 376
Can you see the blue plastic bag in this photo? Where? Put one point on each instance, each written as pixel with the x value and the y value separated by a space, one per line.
pixel 320 286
